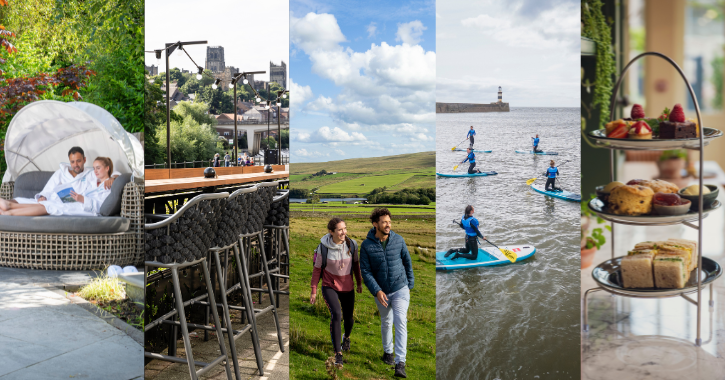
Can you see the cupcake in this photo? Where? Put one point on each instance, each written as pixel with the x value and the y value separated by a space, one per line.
pixel 631 200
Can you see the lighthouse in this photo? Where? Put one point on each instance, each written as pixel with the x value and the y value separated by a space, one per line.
pixel 500 95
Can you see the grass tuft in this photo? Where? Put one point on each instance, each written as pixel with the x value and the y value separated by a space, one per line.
pixel 103 289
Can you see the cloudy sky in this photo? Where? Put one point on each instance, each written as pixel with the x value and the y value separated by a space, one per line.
pixel 362 78
pixel 245 30
pixel 531 48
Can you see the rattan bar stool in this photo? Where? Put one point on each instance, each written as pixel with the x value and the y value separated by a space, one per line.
pixel 260 204
pixel 277 228
pixel 229 223
pixel 179 241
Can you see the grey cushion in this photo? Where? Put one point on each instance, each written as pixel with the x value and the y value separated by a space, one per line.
pixel 112 204
pixel 64 224
pixel 31 183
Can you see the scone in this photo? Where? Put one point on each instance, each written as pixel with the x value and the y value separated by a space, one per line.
pixel 637 270
pixel 660 186
pixel 631 200
pixel 670 271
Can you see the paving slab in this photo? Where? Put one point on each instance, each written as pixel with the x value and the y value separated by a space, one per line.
pixel 43 335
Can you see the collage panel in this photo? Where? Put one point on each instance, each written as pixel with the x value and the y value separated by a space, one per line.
pixel 71 162
pixel 362 301
pixel 508 190
pixel 652 154
pixel 216 191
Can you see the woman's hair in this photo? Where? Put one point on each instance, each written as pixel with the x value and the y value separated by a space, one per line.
pixel 106 162
pixel 469 209
pixel 332 224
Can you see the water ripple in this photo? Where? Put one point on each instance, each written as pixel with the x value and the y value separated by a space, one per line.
pixel 519 320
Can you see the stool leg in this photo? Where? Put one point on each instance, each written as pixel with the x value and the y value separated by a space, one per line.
pixel 271 291
pixel 215 314
pixel 286 246
pixel 227 318
pixel 249 306
pixel 182 320
pixel 206 311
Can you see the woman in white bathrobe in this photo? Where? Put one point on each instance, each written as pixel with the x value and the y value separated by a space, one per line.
pixel 89 195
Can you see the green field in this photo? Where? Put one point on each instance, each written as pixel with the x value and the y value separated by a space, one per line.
pixel 340 208
pixel 358 177
pixel 310 344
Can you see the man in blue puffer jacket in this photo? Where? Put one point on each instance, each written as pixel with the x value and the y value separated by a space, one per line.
pixel 388 273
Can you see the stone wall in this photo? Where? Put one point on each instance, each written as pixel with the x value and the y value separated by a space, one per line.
pixel 469 107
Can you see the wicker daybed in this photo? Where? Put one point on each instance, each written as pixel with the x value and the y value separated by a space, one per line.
pixel 71 242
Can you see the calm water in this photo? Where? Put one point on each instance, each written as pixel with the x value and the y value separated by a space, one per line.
pixel 517 321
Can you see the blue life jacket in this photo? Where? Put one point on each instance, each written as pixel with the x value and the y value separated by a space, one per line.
pixel 468 224
pixel 552 172
pixel 471 157
pixel 471 132
pixel 536 141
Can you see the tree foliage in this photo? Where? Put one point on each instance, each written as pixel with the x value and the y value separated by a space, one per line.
pixel 190 140
pixel 405 196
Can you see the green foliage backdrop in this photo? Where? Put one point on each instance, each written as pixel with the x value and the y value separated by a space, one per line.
pixel 89 50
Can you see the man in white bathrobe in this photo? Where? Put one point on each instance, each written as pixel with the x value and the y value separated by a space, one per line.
pixel 68 173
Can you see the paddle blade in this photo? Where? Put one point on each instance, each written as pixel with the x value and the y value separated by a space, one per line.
pixel 454 148
pixel 511 255
pixel 529 182
pixel 455 167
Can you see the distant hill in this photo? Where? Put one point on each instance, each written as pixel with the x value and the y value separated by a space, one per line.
pixel 359 176
pixel 369 164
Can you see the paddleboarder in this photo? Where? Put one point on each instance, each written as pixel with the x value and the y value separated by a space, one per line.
pixel 470 135
pixel 472 159
pixel 551 173
pixel 536 144
pixel 470 224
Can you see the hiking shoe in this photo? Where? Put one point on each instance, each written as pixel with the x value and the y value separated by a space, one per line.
pixel 338 360
pixel 388 358
pixel 345 343
pixel 400 370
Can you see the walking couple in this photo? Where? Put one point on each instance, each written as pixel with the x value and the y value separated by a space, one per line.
pixel 384 265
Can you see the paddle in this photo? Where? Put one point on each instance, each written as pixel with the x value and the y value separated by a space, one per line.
pixel 529 182
pixel 454 148
pixel 511 255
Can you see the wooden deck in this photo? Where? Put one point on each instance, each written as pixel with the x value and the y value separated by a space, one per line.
pixel 162 180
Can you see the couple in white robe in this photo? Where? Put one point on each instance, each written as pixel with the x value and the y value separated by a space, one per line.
pixel 72 190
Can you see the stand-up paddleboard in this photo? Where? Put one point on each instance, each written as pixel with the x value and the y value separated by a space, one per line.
pixel 475 150
pixel 482 174
pixel 539 153
pixel 488 256
pixel 565 195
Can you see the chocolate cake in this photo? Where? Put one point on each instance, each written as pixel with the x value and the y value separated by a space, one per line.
pixel 675 130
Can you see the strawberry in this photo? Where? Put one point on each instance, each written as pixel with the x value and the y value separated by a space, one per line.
pixel 620 132
pixel 677 115
pixel 639 126
pixel 637 112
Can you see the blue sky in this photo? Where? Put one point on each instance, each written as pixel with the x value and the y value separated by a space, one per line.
pixel 363 78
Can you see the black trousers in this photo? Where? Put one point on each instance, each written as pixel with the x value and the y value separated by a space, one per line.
pixel 552 182
pixel 471 246
pixel 470 168
pixel 341 305
pixel 471 138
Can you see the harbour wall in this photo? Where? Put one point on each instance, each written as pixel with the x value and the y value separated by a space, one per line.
pixel 470 107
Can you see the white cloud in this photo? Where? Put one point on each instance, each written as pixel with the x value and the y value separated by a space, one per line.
pixel 299 94
pixel 304 153
pixel 382 88
pixel 340 152
pixel 315 32
pixel 553 28
pixel 409 33
pixel 328 135
pixel 372 29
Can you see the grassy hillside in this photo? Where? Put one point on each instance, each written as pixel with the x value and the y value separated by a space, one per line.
pixel 357 177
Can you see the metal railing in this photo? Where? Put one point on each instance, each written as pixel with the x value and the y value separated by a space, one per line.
pixel 258 161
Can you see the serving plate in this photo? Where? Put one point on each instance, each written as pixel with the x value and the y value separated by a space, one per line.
pixel 609 275
pixel 598 207
pixel 601 139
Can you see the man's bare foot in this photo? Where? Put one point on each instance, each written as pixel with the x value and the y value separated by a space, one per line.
pixel 4 205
